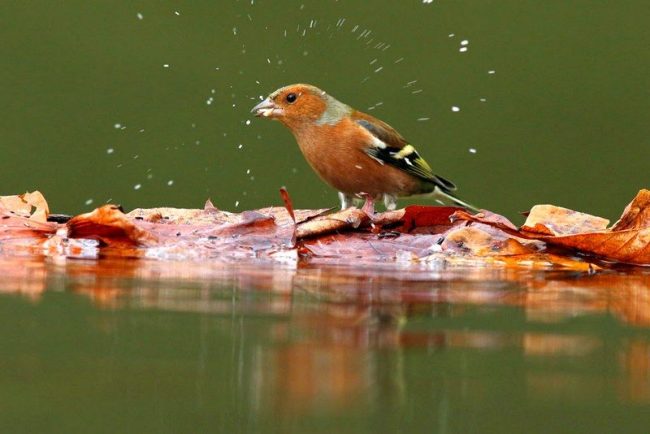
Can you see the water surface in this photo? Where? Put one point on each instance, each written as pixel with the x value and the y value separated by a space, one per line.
pixel 142 346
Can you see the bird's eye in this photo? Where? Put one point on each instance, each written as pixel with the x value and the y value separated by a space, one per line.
pixel 291 98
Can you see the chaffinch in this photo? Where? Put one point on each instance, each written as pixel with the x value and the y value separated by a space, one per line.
pixel 352 151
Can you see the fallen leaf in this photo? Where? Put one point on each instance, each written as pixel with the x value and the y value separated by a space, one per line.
pixel 418 216
pixel 109 225
pixel 555 220
pixel 30 205
pixel 351 218
pixel 417 234
pixel 637 214
pixel 627 242
pixel 38 202
pixel 483 240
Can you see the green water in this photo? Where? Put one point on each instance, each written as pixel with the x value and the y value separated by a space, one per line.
pixel 564 119
pixel 273 351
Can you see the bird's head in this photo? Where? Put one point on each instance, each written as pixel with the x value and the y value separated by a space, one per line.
pixel 301 105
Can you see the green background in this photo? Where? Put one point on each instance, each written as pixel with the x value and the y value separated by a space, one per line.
pixel 563 121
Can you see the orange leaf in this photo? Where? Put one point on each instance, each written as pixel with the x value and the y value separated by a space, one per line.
pixel 111 226
pixel 627 242
pixel 637 214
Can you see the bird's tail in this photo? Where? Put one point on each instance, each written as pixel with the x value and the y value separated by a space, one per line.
pixel 439 192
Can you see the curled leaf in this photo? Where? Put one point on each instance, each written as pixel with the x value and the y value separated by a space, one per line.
pixel 627 242
pixel 109 225
pixel 637 214
pixel 30 205
pixel 555 220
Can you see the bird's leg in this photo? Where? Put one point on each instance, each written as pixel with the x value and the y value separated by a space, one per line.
pixel 368 205
pixel 390 200
pixel 346 200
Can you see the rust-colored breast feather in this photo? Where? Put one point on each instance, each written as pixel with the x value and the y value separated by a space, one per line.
pixel 337 153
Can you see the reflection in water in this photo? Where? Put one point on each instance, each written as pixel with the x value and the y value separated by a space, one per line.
pixel 308 341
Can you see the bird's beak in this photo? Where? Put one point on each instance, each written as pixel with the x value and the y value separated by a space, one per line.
pixel 267 108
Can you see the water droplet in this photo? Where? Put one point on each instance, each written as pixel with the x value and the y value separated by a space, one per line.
pixel 117 126
pixel 137 186
pixel 88 201
pixel 472 150
pixel 462 49
pixel 248 121
pixel 236 204
pixel 165 65
pixel 110 150
pixel 464 42
pixel 491 71
pixel 455 108
pixel 170 182
pixel 140 16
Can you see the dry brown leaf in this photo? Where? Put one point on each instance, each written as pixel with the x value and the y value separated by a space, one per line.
pixel 561 227
pixel 22 205
pixel 555 220
pixel 36 200
pixel 14 204
pixel 637 214
pixel 351 218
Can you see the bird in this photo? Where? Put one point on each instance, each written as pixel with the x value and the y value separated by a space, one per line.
pixel 354 152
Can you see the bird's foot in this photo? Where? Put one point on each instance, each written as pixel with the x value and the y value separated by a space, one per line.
pixel 346 200
pixel 368 206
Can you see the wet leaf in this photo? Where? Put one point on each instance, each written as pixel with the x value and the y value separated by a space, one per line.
pixel 109 225
pixel 484 240
pixel 432 217
pixel 351 218
pixel 627 242
pixel 415 235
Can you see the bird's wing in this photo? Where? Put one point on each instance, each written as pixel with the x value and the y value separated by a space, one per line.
pixel 391 148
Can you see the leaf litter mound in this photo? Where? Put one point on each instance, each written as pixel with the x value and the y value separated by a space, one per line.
pixel 551 238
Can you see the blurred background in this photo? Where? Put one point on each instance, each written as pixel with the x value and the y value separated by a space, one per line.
pixel 147 103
